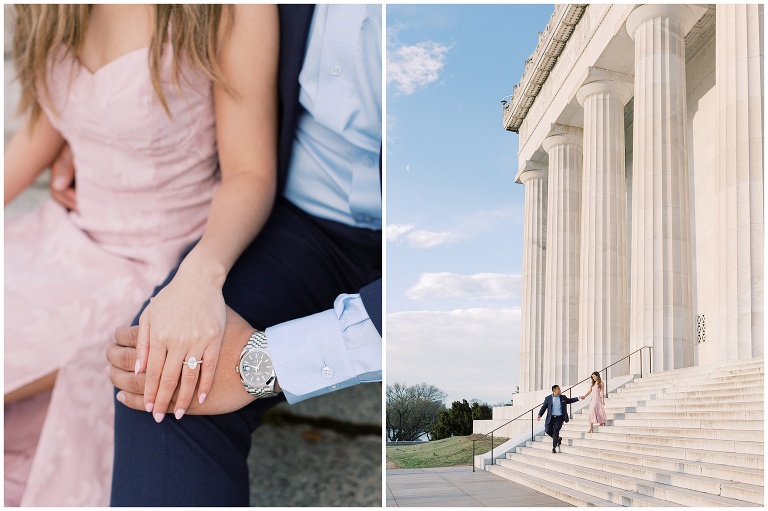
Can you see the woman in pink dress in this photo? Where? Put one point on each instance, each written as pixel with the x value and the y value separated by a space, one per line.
pixel 597 404
pixel 170 113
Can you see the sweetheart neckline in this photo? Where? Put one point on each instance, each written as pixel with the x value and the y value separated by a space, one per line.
pixel 111 62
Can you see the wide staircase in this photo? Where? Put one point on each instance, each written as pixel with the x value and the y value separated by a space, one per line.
pixel 685 437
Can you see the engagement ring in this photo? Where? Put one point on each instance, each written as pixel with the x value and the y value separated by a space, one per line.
pixel 192 362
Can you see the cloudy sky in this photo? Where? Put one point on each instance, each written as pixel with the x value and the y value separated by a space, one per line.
pixel 454 215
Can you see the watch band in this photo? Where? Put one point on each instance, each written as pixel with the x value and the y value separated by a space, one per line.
pixel 258 340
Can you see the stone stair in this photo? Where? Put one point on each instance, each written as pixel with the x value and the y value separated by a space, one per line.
pixel 685 437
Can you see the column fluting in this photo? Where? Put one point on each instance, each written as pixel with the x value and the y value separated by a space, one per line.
pixel 661 272
pixel 534 178
pixel 603 290
pixel 561 300
pixel 740 158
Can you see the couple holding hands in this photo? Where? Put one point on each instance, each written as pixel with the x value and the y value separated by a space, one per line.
pixel 227 157
pixel 557 414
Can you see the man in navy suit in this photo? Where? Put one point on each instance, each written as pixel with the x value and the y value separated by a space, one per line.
pixel 557 414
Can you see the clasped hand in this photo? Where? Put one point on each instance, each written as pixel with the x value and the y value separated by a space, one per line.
pixel 226 393
pixel 186 319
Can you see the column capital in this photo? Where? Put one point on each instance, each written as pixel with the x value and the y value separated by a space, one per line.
pixel 533 169
pixel 563 134
pixel 600 80
pixel 688 14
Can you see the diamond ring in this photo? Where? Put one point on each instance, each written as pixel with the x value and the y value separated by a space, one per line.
pixel 192 362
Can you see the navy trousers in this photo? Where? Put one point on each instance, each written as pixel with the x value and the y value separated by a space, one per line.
pixel 553 430
pixel 296 267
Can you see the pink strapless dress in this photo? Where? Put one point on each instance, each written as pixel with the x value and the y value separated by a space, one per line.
pixel 596 407
pixel 144 184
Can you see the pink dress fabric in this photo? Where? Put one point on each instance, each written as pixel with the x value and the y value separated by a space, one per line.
pixel 596 407
pixel 144 185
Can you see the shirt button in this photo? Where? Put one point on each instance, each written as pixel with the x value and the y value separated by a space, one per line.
pixel 327 372
pixel 368 161
pixel 336 69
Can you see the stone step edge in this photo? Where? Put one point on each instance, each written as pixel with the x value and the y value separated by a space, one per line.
pixel 598 486
pixel 538 485
pixel 583 452
pixel 713 390
pixel 646 437
pixel 633 481
pixel 573 459
pixel 612 430
pixel 720 423
pixel 642 403
pixel 701 375
pixel 750 424
pixel 736 384
pixel 567 433
pixel 757 394
pixel 695 370
pixel 705 407
pixel 754 362
pixel 717 373
pixel 654 414
pixel 668 448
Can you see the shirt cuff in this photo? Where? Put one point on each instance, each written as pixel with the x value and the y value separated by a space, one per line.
pixel 327 351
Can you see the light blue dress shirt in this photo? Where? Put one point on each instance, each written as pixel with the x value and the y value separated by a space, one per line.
pixel 557 406
pixel 334 174
pixel 334 170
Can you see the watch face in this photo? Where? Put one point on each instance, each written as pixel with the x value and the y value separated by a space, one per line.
pixel 256 368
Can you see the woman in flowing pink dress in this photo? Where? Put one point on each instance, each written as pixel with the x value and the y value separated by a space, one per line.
pixel 597 404
pixel 170 113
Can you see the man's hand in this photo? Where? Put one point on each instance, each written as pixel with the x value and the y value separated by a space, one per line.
pixel 227 392
pixel 538 418
pixel 63 179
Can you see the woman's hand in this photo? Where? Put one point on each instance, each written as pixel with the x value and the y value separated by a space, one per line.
pixel 227 393
pixel 186 319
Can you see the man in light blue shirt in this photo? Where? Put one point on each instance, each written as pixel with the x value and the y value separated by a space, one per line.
pixel 557 415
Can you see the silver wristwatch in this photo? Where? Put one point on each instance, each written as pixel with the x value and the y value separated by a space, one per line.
pixel 255 367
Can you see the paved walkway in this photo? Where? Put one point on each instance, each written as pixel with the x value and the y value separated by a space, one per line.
pixel 460 487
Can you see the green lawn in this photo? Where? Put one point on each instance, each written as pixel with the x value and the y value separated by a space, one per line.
pixel 448 452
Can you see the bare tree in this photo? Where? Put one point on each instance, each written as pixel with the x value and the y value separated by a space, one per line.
pixel 411 410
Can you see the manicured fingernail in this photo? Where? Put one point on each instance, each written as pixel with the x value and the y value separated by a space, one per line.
pixel 159 417
pixel 149 406
pixel 202 398
pixel 179 413
pixel 121 397
pixel 136 367
pixel 60 182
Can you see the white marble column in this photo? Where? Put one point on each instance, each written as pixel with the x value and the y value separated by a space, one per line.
pixel 534 177
pixel 603 290
pixel 661 275
pixel 740 159
pixel 561 300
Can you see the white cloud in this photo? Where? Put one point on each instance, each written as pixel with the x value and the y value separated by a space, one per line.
pixel 470 226
pixel 411 68
pixel 396 231
pixel 467 353
pixel 427 239
pixel 495 286
pixel 417 238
